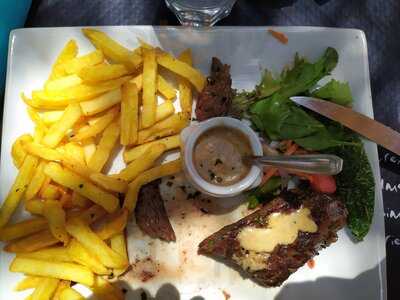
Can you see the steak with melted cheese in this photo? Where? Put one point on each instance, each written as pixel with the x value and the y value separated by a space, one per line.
pixel 272 268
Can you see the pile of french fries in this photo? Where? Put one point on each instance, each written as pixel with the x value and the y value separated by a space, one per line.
pixel 89 106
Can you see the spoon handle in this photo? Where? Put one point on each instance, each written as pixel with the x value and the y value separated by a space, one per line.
pixel 311 163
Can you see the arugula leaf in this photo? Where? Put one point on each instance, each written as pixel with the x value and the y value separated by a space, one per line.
pixel 329 136
pixel 305 75
pixel 281 119
pixel 335 91
pixel 294 81
pixel 267 86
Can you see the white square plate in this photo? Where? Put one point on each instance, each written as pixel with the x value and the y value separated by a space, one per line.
pixel 345 270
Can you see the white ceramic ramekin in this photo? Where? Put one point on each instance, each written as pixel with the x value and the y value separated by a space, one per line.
pixel 189 137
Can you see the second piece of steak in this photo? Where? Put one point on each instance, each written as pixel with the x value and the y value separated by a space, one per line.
pixel 150 213
pixel 274 267
pixel 215 99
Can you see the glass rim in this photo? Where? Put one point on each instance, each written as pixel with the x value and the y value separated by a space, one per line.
pixel 188 6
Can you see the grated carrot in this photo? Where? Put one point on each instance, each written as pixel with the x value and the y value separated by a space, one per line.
pixel 280 36
pixel 270 172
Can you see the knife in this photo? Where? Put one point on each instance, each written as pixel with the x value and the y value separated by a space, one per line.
pixel 367 127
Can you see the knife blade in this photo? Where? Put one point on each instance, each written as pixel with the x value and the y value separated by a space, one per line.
pixel 367 127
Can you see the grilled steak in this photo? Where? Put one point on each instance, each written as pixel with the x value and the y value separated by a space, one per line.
pixel 216 97
pixel 151 215
pixel 273 268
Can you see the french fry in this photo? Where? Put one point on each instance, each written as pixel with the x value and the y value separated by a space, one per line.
pixel 42 151
pixel 166 169
pixel 55 216
pixel 38 101
pixel 163 86
pixel 50 254
pixel 169 126
pixel 144 45
pixel 186 57
pixel 44 238
pixel 69 52
pixel 105 290
pixel 21 229
pixel 29 282
pixel 35 206
pixel 149 88
pixel 106 145
pixel 101 103
pixel 18 152
pixel 62 83
pixel 170 142
pixel 163 111
pixel 50 191
pixel 18 189
pixel 138 80
pixel 129 114
pixel 70 294
pixel 109 183
pixel 113 226
pixel 37 181
pixel 102 72
pixel 183 69
pixel 185 92
pixel 60 270
pixel 36 119
pixel 80 201
pixel 50 117
pixel 76 64
pixel 39 134
pixel 80 255
pixel 142 164
pixel 45 289
pixel 33 242
pixel 96 246
pixel 165 89
pixel 76 151
pixel 66 201
pixel 118 244
pixel 89 148
pixel 58 130
pixel 113 50
pixel 79 93
pixel 62 285
pixel 92 214
pixel 76 166
pixel 82 186
pixel 97 127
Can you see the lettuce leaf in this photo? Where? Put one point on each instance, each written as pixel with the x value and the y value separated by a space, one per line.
pixel 335 91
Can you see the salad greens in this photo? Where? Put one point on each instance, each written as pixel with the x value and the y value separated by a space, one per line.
pixel 272 112
pixel 356 186
pixel 335 91
pixel 264 192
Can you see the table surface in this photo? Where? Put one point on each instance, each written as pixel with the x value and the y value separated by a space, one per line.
pixel 380 19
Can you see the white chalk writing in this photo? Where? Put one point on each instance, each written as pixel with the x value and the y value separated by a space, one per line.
pixel 390 187
pixel 392 240
pixel 392 214
pixel 391 158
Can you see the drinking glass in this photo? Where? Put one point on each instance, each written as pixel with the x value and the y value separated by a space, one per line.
pixel 199 13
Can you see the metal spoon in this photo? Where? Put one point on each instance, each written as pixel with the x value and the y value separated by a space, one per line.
pixel 310 163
